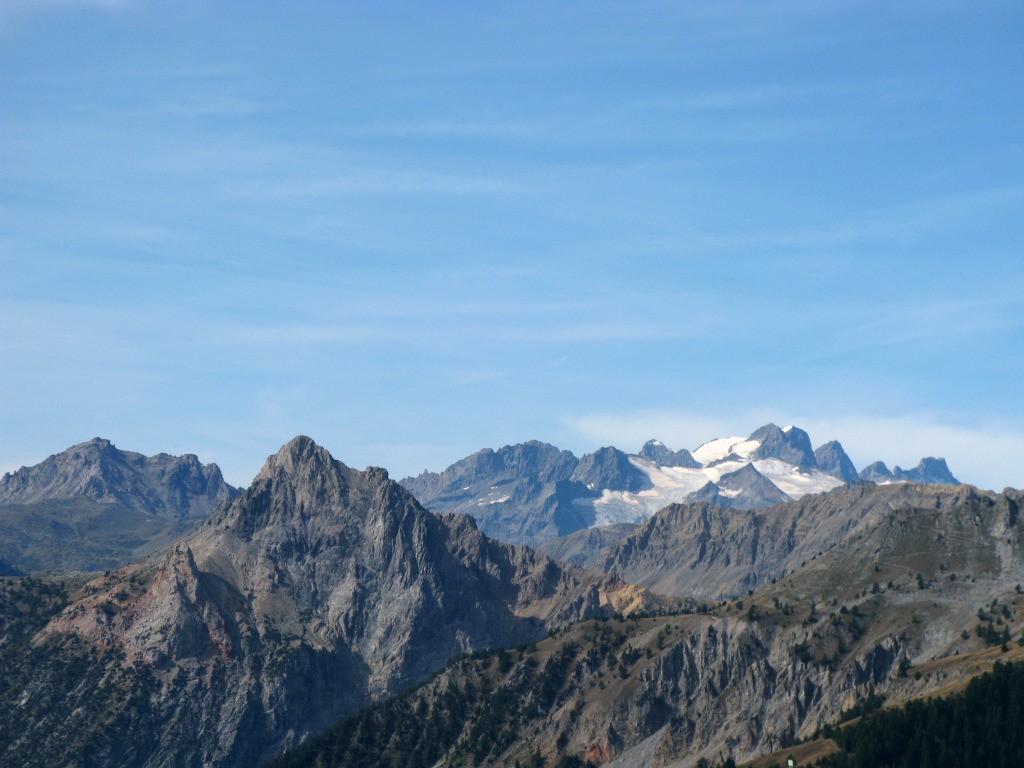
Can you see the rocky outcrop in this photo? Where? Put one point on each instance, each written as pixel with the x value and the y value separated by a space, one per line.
pixel 660 454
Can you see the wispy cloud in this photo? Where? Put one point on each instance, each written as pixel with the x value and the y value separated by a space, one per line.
pixel 372 181
pixel 906 223
pixel 212 106
pixel 675 428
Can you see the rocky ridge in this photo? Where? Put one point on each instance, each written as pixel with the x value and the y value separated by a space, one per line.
pixel 95 507
pixel 171 487
pixel 707 551
pixel 533 492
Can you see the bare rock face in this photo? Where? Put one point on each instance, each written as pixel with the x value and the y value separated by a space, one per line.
pixel 583 548
pixel 315 591
pixel 704 550
pixel 746 488
pixel 660 454
pixel 831 458
pixel 610 468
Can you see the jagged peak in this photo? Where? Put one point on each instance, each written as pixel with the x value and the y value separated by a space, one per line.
pixel 748 470
pixel 297 452
pixel 791 444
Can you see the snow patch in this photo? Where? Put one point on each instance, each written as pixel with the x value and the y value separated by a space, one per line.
pixel 796 482
pixel 716 449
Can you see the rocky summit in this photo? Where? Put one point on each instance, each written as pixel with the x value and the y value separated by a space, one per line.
pixel 94 506
pixel 315 591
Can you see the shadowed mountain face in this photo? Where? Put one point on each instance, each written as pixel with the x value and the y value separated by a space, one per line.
pixel 94 507
pixel 791 445
pixel 317 589
pixel 831 458
pixel 521 493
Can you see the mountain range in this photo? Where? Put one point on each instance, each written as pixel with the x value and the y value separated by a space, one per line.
pixel 323 616
pixel 531 493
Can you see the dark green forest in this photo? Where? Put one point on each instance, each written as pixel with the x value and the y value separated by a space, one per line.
pixel 981 727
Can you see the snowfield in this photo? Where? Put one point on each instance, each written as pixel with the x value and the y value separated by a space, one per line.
pixel 675 484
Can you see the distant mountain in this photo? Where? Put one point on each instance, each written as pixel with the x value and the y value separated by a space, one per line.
pixel 521 493
pixel 659 453
pixel 928 470
pixel 532 492
pixel 610 469
pixel 876 473
pixel 588 546
pixel 316 590
pixel 831 458
pixel 791 445
pixel 94 507
pixel 746 488
pixel 172 487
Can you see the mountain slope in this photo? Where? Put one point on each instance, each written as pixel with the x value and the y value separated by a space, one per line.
pixel 902 608
pixel 708 551
pixel 95 507
pixel 316 590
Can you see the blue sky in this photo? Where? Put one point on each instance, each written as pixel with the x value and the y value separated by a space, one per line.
pixel 412 230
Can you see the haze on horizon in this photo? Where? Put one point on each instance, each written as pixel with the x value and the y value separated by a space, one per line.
pixel 412 231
